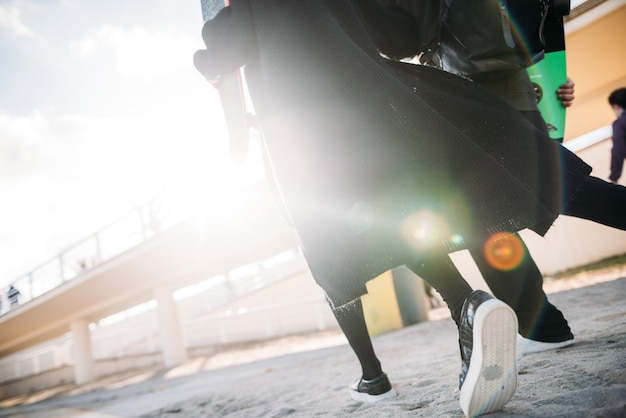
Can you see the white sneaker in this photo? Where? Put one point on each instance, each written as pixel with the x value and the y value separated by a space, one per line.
pixel 487 333
pixel 527 346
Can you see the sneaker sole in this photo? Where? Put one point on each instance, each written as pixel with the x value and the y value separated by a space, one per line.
pixel 492 376
pixel 526 346
pixel 365 397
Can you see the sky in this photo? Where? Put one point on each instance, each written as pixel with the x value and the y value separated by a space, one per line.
pixel 101 109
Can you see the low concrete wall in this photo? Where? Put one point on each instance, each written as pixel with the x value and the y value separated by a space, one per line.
pixel 64 375
pixel 290 306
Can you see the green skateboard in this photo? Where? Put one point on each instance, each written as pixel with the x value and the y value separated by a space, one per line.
pixel 551 72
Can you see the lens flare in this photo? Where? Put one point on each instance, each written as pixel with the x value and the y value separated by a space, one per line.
pixel 457 239
pixel 504 251
pixel 423 229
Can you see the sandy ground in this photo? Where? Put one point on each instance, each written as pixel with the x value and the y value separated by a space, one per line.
pixel 307 376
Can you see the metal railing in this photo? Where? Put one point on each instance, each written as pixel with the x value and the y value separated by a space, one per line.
pixel 589 139
pixel 137 226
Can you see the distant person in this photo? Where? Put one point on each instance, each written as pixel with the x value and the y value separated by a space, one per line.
pixel 14 296
pixel 617 100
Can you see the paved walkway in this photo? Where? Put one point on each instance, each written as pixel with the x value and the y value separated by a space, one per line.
pixel 585 380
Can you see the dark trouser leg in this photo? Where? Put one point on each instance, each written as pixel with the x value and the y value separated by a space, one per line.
pixel 522 289
pixel 442 275
pixel 599 201
pixel 352 322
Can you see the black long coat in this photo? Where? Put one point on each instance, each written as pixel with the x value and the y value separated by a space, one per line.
pixel 381 163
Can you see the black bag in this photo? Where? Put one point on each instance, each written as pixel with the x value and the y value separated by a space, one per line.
pixel 476 37
pixel 468 46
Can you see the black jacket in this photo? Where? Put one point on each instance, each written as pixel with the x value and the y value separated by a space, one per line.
pixel 475 38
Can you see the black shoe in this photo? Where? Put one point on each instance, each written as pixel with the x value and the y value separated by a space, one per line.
pixel 373 390
pixel 550 326
pixel 528 345
pixel 547 331
pixel 487 338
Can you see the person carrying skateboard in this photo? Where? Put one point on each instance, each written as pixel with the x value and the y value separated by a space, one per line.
pixel 468 39
pixel 382 164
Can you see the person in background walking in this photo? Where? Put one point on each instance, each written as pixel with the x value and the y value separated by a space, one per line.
pixel 617 100
pixel 14 296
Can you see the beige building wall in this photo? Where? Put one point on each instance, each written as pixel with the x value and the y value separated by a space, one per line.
pixel 596 61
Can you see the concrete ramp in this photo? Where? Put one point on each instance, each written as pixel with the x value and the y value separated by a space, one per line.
pixel 196 249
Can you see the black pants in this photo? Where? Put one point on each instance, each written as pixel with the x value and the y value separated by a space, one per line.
pixel 599 201
pixel 521 288
pixel 440 273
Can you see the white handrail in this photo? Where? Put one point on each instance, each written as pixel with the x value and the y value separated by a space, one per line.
pixel 589 139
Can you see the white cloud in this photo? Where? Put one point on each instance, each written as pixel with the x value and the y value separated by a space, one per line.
pixel 10 18
pixel 19 137
pixel 35 142
pixel 140 53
